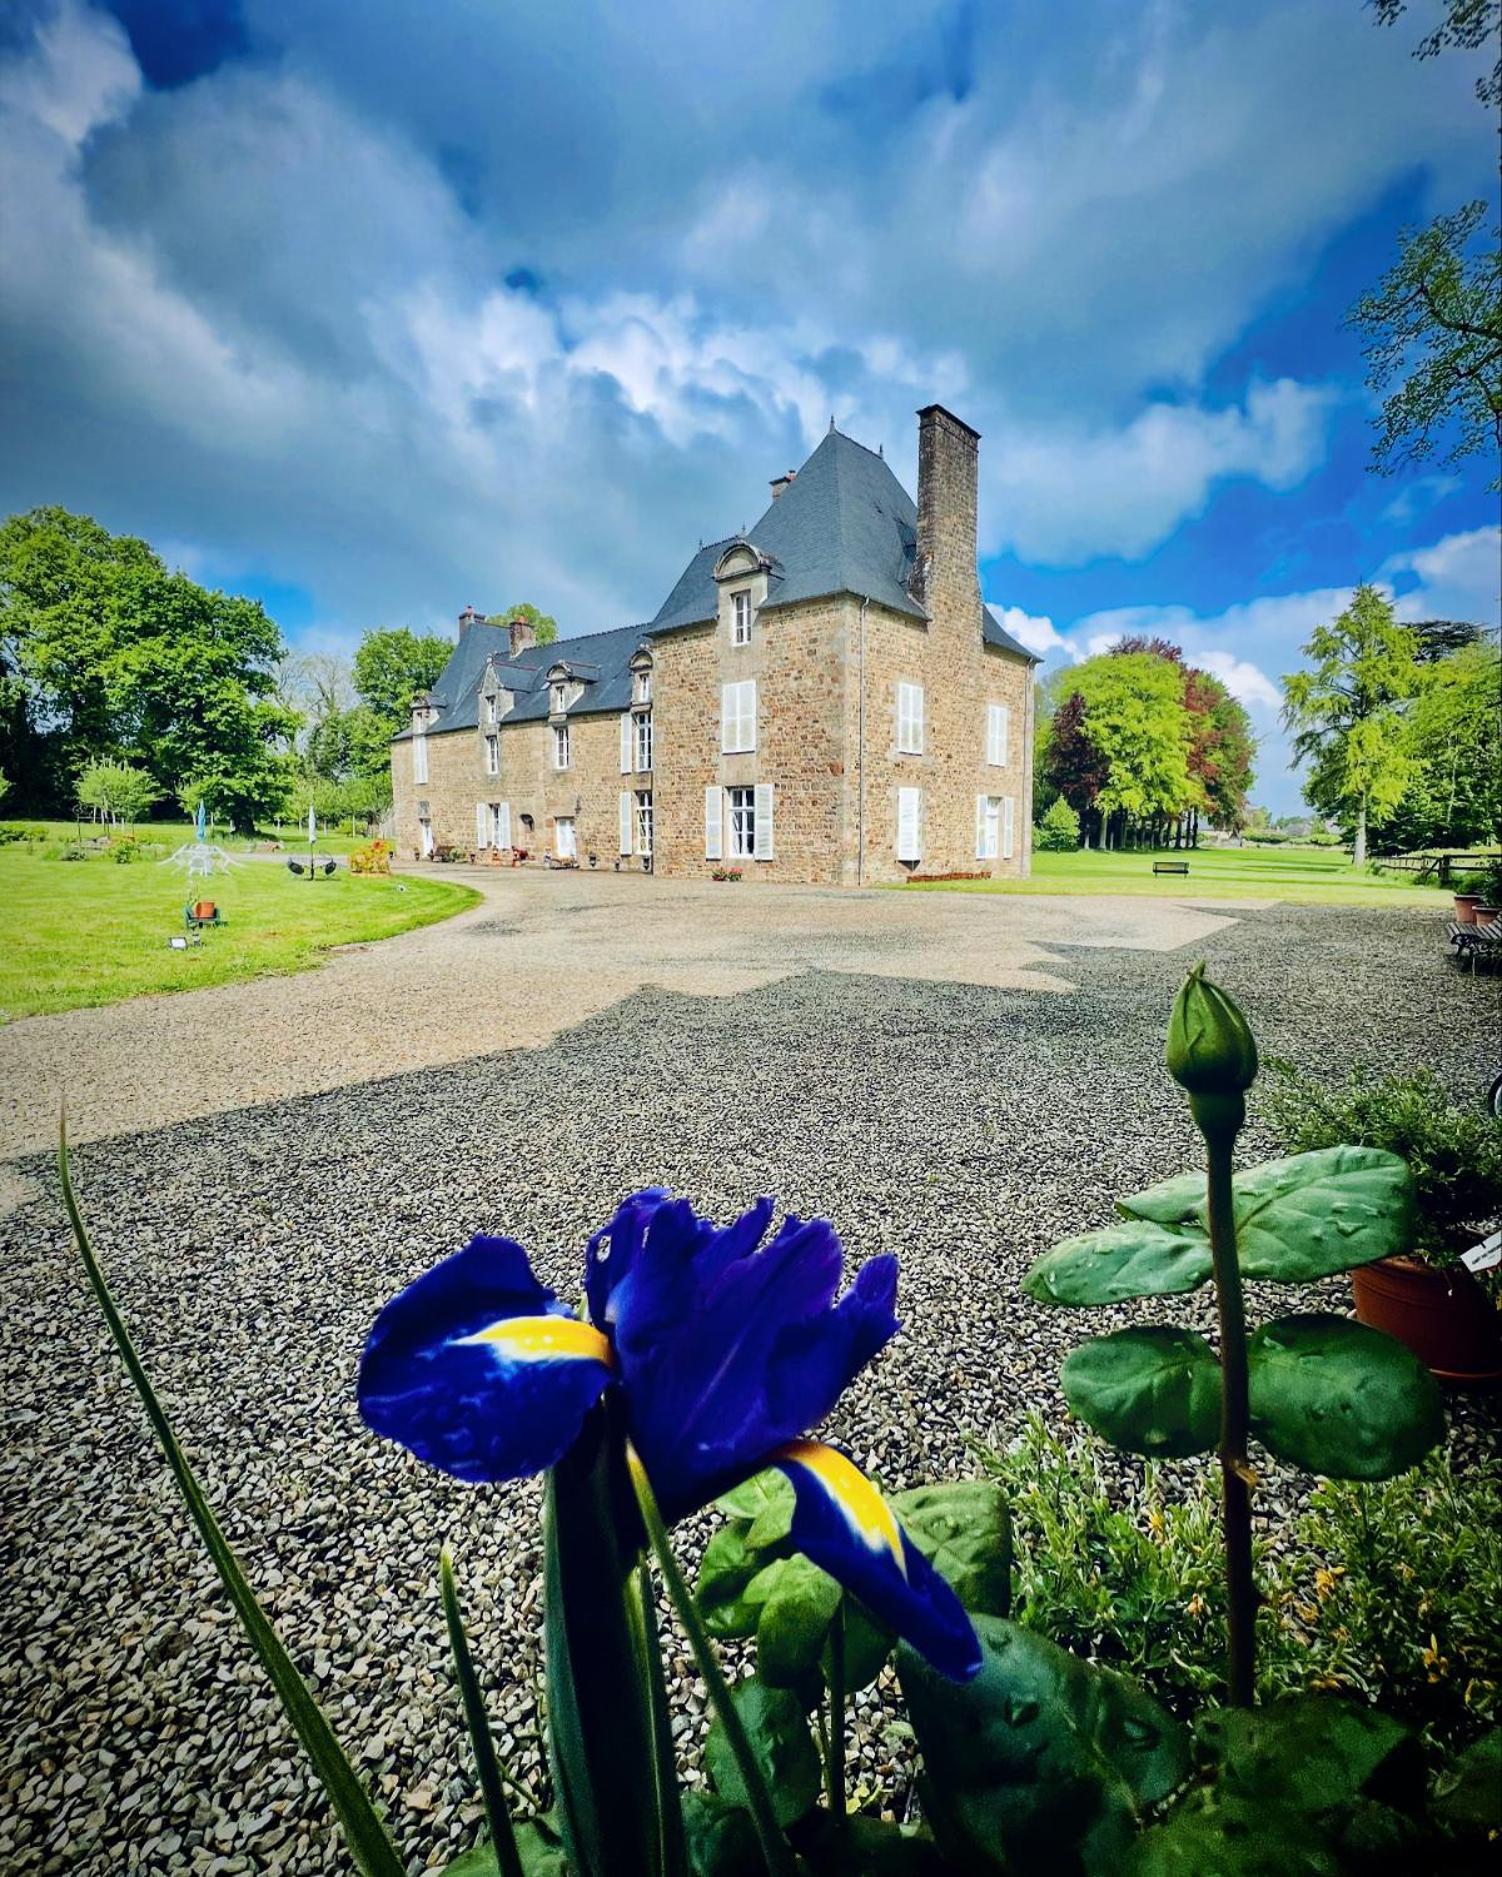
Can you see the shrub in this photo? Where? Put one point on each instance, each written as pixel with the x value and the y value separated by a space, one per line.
pixel 724 873
pixel 1059 830
pixel 374 857
pixel 123 849
pixel 1454 1154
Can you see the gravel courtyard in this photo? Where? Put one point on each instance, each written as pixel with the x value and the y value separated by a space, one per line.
pixel 960 1116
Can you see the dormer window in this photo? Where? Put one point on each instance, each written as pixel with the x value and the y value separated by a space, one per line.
pixel 740 623
pixel 559 698
pixel 641 688
pixel 492 712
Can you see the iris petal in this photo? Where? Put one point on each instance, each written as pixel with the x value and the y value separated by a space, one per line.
pixel 842 1523
pixel 479 1370
pixel 729 1347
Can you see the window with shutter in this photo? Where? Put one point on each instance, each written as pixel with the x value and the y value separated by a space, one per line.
pixel 482 824
pixel 741 804
pixel 738 717
pixel 503 824
pixel 712 848
pixel 419 759
pixel 980 826
pixel 493 755
pixel 765 849
pixel 644 740
pixel 643 821
pixel 987 826
pixel 625 821
pixel 910 719
pixel 909 824
pixel 1008 827
pixel 997 734
pixel 626 734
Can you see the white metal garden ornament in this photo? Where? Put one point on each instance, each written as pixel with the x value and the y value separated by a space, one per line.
pixel 200 857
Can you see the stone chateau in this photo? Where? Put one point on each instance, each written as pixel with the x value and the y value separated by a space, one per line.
pixel 825 698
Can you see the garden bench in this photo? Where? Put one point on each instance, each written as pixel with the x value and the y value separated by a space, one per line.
pixel 1476 941
pixel 1171 866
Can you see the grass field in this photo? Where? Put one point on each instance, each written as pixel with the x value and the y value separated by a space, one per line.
pixel 91 931
pixel 1301 875
pixel 171 834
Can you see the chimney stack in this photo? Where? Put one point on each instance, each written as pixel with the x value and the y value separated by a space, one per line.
pixel 469 617
pixel 781 484
pixel 522 634
pixel 944 573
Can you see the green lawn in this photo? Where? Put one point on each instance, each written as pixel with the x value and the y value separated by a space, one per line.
pixel 293 835
pixel 92 931
pixel 1302 875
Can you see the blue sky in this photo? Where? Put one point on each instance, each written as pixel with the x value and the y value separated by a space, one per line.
pixel 379 312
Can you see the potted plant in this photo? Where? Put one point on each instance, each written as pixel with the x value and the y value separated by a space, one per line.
pixel 1425 1297
pixel 1468 896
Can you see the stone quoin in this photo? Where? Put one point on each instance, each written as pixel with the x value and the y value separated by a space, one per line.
pixel 825 699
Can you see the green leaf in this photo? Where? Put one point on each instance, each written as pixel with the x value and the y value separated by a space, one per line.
pixel 766 1499
pixel 1315 1214
pixel 780 1744
pixel 1042 1763
pixel 867 1646
pixel 487 1766
pixel 1151 1390
pixel 868 1847
pixel 1232 1837
pixel 1341 1399
pixel 721 1838
pixel 727 1568
pixel 538 1846
pixel 1313 1754
pixel 964 1529
pixel 1170 1202
pixel 365 1833
pixel 797 1602
pixel 1468 1795
pixel 1136 1259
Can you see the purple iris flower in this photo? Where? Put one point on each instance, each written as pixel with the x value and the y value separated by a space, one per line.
pixel 726 1347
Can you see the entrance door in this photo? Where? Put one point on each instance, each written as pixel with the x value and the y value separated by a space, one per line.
pixel 567 850
pixel 425 836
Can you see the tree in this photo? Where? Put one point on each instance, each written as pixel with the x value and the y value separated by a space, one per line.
pixel 1433 331
pixel 1221 748
pixel 1346 713
pixel 1467 26
pixel 1452 738
pixel 1059 830
pixel 116 791
pixel 1072 766
pixel 392 665
pixel 1437 638
pixel 543 624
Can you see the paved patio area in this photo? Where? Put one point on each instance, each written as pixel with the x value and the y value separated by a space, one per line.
pixel 544 951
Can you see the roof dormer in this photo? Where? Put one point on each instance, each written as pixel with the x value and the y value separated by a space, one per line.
pixel 740 560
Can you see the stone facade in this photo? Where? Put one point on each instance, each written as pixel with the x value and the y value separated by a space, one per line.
pixel 884 743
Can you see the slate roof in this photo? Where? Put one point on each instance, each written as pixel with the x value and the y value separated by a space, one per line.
pixel 845 524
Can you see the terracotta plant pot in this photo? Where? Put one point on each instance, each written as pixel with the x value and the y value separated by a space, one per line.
pixel 1465 908
pixel 1488 915
pixel 1444 1317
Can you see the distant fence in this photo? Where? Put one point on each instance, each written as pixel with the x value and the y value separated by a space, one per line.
pixel 1440 867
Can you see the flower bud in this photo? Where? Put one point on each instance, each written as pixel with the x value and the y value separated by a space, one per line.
pixel 1210 1048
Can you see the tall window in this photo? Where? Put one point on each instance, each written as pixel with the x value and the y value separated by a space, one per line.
pixel 910 824
pixel 560 746
pixel 419 758
pixel 987 827
pixel 564 838
pixel 493 755
pixel 642 687
pixel 740 628
pixel 643 821
pixel 558 697
pixel 997 734
pixel 910 719
pixel 492 708
pixel 742 823
pixel 644 740
pixel 738 716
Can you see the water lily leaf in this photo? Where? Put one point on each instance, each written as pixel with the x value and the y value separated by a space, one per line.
pixel 1170 1202
pixel 721 1838
pixel 964 1529
pixel 1341 1399
pixel 1314 1214
pixel 1151 1390
pixel 797 1602
pixel 728 1566
pixel 782 1744
pixel 1043 1762
pixel 766 1500
pixel 1137 1258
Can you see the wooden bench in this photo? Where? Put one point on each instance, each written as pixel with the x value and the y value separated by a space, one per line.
pixel 1171 866
pixel 1476 941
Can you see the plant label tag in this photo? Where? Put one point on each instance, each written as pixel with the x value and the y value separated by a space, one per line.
pixel 1483 1256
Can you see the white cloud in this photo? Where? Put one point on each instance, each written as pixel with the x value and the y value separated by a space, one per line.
pixel 1456 578
pixel 1036 631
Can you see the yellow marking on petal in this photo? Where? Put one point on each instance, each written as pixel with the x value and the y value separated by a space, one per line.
pixel 544 1339
pixel 866 1512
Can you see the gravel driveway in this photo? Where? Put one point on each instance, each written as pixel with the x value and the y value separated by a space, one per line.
pixel 962 1125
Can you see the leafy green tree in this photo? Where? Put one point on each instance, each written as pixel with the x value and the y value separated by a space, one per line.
pixel 1133 704
pixel 1221 750
pixel 115 791
pixel 1346 713
pixel 1059 830
pixel 543 624
pixel 1466 26
pixel 1452 738
pixel 392 665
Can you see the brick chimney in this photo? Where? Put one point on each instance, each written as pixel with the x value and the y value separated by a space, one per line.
pixel 522 633
pixel 469 617
pixel 781 484
pixel 944 574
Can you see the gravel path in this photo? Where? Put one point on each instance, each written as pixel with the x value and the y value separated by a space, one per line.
pixel 964 1128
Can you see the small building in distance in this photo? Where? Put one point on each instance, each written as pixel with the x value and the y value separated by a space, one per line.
pixel 825 698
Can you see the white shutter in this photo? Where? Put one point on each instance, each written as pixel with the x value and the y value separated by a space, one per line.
pixel 1008 829
pixel 764 846
pixel 980 827
pixel 729 705
pixel 908 823
pixel 712 811
pixel 481 832
pixel 1005 717
pixel 918 718
pixel 625 821
pixel 503 826
pixel 626 756
pixel 997 738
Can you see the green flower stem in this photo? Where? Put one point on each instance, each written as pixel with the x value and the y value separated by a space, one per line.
pixel 674 1849
pixel 1220 1118
pixel 776 1852
pixel 834 1759
pixel 497 1817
